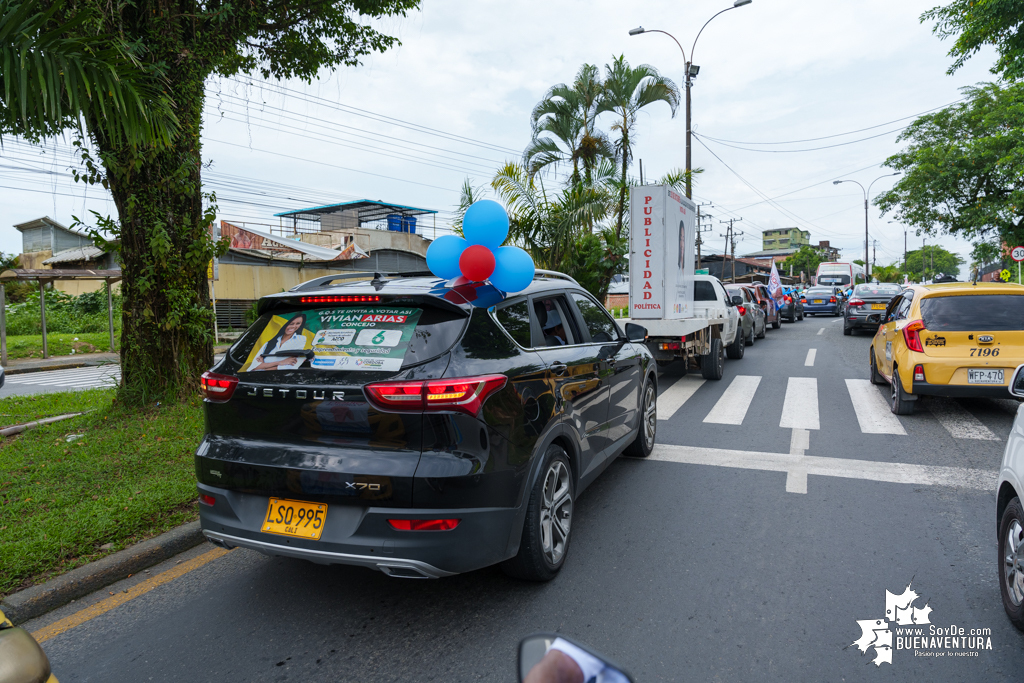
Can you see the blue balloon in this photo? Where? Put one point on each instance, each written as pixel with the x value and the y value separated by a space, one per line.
pixel 485 223
pixel 443 256
pixel 513 269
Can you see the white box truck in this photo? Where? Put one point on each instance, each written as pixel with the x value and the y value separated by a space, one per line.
pixel 689 318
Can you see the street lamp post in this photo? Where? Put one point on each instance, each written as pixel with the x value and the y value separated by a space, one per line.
pixel 690 73
pixel 866 192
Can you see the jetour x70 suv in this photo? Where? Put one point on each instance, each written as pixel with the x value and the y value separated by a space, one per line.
pixel 419 429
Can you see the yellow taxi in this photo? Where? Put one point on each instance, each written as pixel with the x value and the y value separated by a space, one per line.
pixel 955 339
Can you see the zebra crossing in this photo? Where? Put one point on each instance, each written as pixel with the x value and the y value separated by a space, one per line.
pixel 94 377
pixel 800 408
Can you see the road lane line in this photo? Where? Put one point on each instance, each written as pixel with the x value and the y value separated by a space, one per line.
pixel 889 472
pixel 957 421
pixel 809 361
pixel 103 606
pixel 800 409
pixel 732 406
pixel 873 412
pixel 821 331
pixel 672 399
pixel 796 476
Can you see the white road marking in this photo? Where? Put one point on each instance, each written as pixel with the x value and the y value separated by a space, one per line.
pixel 891 472
pixel 796 476
pixel 957 421
pixel 873 412
pixel 76 378
pixel 809 361
pixel 821 331
pixel 732 406
pixel 800 410
pixel 673 398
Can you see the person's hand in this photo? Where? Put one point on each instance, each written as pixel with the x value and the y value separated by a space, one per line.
pixel 259 359
pixel 294 360
pixel 556 667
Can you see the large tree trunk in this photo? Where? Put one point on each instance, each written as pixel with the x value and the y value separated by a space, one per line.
pixel 166 334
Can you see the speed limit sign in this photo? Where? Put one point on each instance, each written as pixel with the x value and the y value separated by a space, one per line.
pixel 1017 253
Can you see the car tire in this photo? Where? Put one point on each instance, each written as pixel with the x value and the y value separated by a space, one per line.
pixel 647 426
pixel 1011 562
pixel 548 526
pixel 712 366
pixel 801 316
pixel 847 330
pixel 875 377
pixel 899 401
pixel 751 336
pixel 764 329
pixel 736 349
pixel 792 317
pixel 776 324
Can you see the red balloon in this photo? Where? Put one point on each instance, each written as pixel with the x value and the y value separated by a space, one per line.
pixel 477 262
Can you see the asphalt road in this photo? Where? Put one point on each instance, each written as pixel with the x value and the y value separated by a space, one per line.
pixel 745 549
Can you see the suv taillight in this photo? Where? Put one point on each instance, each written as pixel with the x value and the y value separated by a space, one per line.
pixel 911 336
pixel 742 310
pixel 462 394
pixel 217 388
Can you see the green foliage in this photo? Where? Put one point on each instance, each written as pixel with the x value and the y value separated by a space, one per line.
pixel 985 253
pixel 64 313
pixel 60 343
pixel 963 170
pixel 890 273
pixel 805 260
pixel 925 263
pixel 977 23
pixel 596 259
pixel 858 261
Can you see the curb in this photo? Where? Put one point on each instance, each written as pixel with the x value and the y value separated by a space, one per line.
pixel 38 600
pixel 45 368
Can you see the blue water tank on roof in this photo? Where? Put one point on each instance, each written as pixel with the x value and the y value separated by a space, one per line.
pixel 395 222
pixel 409 224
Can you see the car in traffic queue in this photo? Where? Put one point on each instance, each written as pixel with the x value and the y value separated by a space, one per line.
pixel 866 306
pixel 767 304
pixel 823 301
pixel 417 428
pixel 957 339
pixel 1010 512
pixel 752 317
pixel 792 308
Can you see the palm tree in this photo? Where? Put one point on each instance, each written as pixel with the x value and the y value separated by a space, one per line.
pixel 627 90
pixel 568 114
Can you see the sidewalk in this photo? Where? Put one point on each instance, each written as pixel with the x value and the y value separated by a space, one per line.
pixel 16 366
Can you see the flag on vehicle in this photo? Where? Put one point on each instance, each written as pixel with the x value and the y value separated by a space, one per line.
pixel 775 287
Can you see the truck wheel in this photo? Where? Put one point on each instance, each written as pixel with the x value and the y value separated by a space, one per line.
pixel 735 350
pixel 712 366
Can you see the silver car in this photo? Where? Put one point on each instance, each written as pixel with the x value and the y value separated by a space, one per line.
pixel 1010 513
pixel 752 320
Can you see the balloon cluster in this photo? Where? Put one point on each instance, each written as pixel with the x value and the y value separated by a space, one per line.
pixel 480 256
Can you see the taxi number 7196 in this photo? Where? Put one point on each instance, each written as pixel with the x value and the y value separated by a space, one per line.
pixel 984 352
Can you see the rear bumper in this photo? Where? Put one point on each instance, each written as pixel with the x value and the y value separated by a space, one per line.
pixel 820 308
pixel 362 536
pixel 873 319
pixel 961 390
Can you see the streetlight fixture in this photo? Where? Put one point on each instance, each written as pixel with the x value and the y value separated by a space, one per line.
pixel 866 192
pixel 690 73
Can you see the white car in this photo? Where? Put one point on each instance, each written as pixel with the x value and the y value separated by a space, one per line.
pixel 1010 512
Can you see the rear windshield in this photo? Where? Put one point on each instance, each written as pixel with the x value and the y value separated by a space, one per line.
pixel 820 292
pixel 878 290
pixel 977 312
pixel 352 339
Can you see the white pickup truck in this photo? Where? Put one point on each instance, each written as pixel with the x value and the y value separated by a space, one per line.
pixel 706 338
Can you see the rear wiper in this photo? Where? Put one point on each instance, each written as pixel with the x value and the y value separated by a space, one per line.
pixel 292 353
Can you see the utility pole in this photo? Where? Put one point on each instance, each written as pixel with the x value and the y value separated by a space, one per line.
pixel 734 235
pixel 874 247
pixel 730 240
pixel 700 230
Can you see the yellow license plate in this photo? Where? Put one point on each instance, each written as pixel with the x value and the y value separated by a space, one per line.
pixel 877 307
pixel 298 518
pixel 819 301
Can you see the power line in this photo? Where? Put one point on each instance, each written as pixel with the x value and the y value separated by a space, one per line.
pixel 808 149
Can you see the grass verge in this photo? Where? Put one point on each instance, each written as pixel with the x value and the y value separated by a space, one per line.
pixel 60 344
pixel 130 476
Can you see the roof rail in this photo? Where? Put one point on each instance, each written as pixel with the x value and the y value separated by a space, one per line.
pixel 317 283
pixel 555 274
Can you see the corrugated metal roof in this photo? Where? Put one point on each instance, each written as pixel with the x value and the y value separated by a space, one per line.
pixel 75 254
pixel 368 210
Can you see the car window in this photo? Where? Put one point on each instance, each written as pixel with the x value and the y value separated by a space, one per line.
pixel 976 312
pixel 597 321
pixel 877 290
pixel 721 291
pixel 554 321
pixel 904 308
pixel 515 319
pixel 740 292
pixel 703 290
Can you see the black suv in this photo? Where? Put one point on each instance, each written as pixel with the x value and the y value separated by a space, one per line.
pixel 419 429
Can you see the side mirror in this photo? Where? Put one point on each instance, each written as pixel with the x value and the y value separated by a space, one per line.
pixel 1017 383
pixel 551 657
pixel 21 658
pixel 636 333
pixel 737 300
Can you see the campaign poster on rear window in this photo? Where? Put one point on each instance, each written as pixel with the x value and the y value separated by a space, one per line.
pixel 373 338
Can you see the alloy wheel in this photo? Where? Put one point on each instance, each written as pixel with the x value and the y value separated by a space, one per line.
pixel 555 512
pixel 1013 567
pixel 650 417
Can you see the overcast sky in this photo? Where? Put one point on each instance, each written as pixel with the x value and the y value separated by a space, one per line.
pixel 454 101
